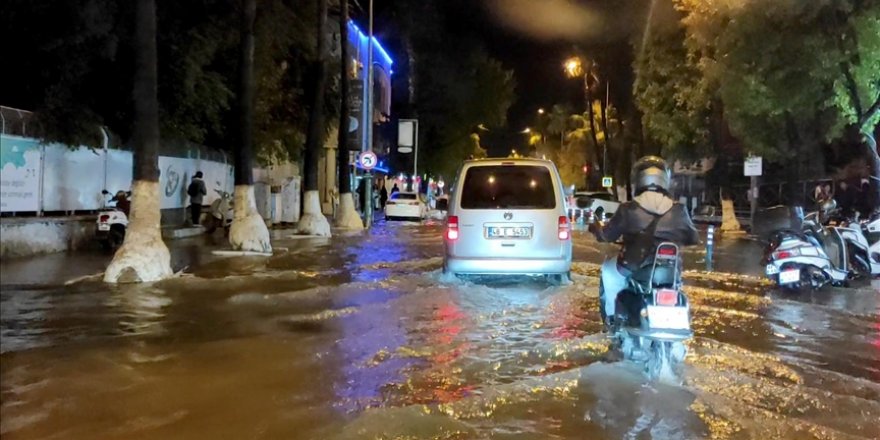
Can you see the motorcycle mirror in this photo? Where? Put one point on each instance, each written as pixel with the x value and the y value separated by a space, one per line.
pixel 105 192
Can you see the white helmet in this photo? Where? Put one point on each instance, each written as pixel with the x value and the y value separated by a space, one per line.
pixel 651 173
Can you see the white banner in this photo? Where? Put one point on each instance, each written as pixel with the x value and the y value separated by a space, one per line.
pixel 19 174
pixel 72 178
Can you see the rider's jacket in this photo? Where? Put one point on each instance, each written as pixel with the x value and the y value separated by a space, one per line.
pixel 651 218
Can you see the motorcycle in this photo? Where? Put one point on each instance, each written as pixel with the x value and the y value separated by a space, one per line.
pixel 652 319
pixel 852 234
pixel 221 213
pixel 796 260
pixel 871 232
pixel 112 222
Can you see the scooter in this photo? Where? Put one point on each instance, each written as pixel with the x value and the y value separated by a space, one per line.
pixel 798 260
pixel 221 212
pixel 871 231
pixel 857 246
pixel 652 319
pixel 111 223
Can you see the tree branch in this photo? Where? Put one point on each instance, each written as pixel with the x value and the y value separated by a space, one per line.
pixel 871 112
pixel 852 90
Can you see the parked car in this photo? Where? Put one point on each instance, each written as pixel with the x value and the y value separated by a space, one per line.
pixel 508 216
pixel 405 206
pixel 707 215
pixel 595 205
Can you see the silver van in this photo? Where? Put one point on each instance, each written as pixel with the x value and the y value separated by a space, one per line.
pixel 508 216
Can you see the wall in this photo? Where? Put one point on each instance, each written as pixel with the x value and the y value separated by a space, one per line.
pixel 54 178
pixel 31 236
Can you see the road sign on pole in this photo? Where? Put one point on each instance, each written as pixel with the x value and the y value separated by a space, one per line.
pixel 607 182
pixel 753 166
pixel 368 160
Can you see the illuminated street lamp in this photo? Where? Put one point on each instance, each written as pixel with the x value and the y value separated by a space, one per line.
pixel 526 131
pixel 540 111
pixel 574 67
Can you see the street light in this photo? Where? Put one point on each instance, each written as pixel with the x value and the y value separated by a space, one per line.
pixel 526 131
pixel 540 111
pixel 574 67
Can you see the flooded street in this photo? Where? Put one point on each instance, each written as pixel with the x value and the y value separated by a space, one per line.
pixel 362 337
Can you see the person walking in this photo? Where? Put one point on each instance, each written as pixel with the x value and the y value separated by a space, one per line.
pixel 196 191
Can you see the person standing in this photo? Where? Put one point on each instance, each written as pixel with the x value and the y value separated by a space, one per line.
pixel 383 195
pixel 196 191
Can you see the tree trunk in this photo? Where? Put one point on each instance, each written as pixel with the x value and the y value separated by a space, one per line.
pixel 313 221
pixel 594 168
pixel 248 231
pixel 347 216
pixel 873 160
pixel 143 256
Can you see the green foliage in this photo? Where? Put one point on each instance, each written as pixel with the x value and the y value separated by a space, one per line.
pixel 671 94
pixel 786 73
pixel 75 70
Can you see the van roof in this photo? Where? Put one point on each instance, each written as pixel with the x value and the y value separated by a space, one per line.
pixel 508 161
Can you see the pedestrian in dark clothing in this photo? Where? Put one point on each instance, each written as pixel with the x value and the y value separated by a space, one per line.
pixel 362 195
pixel 846 199
pixel 383 196
pixel 394 189
pixel 197 191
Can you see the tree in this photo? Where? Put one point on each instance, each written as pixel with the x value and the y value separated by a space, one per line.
pixel 791 76
pixel 313 221
pixel 143 256
pixel 347 217
pixel 248 231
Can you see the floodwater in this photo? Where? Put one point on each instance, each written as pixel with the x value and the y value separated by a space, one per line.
pixel 361 337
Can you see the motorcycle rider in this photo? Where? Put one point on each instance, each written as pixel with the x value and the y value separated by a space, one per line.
pixel 650 218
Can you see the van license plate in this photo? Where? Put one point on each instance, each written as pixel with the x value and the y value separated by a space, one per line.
pixel 789 276
pixel 508 232
pixel 103 227
pixel 668 317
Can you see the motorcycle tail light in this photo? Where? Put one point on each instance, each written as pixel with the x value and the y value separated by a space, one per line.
pixel 789 253
pixel 667 297
pixel 104 218
pixel 667 251
pixel 452 228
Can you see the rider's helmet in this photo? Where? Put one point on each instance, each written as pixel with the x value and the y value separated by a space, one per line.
pixel 651 173
pixel 120 195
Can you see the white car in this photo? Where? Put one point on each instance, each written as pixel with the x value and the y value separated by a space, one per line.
pixel 596 205
pixel 405 205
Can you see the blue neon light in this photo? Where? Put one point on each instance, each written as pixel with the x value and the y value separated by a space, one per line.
pixel 364 38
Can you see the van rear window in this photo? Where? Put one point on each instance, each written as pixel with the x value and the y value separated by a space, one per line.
pixel 508 187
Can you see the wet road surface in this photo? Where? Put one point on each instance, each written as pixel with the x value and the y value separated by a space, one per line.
pixel 361 337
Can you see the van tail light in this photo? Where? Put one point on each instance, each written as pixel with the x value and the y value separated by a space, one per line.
pixel 104 218
pixel 564 228
pixel 667 297
pixel 452 228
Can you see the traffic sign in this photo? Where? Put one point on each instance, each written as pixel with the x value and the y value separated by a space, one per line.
pixel 368 160
pixel 753 166
pixel 607 182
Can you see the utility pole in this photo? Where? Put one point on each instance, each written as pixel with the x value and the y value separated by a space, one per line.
pixel 368 129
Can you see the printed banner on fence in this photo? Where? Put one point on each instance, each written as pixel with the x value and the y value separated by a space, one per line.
pixel 20 174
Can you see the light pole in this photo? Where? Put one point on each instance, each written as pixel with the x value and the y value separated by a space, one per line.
pixel 368 129
pixel 574 67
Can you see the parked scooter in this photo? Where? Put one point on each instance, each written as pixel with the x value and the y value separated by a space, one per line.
pixel 221 213
pixel 112 220
pixel 871 230
pixel 653 314
pixel 801 253
pixel 851 232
